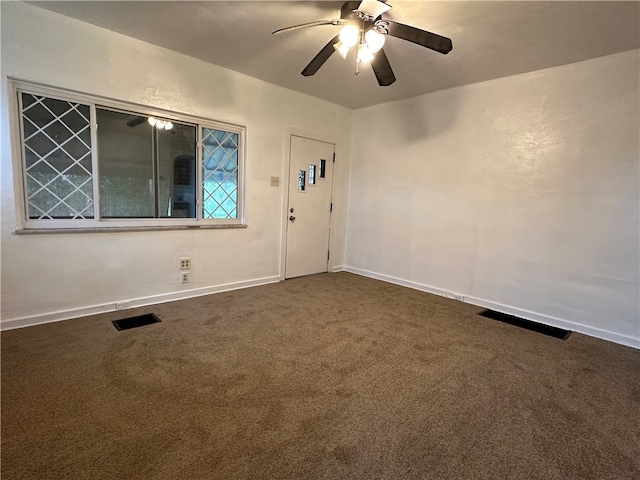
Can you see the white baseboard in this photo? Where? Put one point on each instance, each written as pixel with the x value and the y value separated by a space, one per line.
pixel 518 312
pixel 196 292
pixel 405 283
pixel 131 303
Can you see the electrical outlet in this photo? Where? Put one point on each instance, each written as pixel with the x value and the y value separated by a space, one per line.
pixel 185 263
pixel 184 277
pixel 275 181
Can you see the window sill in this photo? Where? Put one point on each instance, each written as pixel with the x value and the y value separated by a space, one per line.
pixel 38 231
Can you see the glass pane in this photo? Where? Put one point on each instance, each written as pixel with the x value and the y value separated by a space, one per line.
pixel 177 172
pixel 302 175
pixel 323 168
pixel 57 144
pixel 219 173
pixel 312 174
pixel 125 157
pixel 145 172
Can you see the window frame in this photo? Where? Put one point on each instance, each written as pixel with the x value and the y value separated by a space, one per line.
pixel 25 224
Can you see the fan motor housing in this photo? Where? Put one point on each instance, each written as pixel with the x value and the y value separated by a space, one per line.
pixel 348 8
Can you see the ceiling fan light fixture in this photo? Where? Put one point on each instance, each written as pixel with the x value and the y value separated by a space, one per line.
pixel 349 35
pixel 364 53
pixel 367 30
pixel 342 49
pixel 160 124
pixel 374 40
pixel 373 8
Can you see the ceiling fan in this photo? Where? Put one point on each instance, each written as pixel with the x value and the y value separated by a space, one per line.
pixel 135 120
pixel 363 26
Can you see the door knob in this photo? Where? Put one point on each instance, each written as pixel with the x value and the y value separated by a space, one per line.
pixel 292 218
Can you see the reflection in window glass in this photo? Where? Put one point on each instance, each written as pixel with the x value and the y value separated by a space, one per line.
pixel 302 175
pixel 177 172
pixel 139 165
pixel 126 166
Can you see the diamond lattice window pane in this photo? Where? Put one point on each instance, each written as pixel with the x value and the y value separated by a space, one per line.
pixel 40 144
pixel 58 132
pixel 58 158
pixel 27 101
pixel 77 149
pixel 77 118
pixel 29 129
pixel 36 113
pixel 219 174
pixel 56 107
pixel 85 136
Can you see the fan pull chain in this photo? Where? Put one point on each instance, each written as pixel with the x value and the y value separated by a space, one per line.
pixel 360 40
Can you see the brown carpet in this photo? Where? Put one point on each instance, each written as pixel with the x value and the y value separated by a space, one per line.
pixel 332 376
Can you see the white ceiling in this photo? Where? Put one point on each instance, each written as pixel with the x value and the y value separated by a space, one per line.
pixel 490 39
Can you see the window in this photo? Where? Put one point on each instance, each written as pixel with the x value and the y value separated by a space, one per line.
pixel 219 173
pixel 57 153
pixel 145 172
pixel 95 163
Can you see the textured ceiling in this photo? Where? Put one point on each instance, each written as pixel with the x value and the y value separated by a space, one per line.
pixel 490 40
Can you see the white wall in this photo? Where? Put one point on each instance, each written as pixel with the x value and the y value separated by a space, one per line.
pixel 519 193
pixel 54 276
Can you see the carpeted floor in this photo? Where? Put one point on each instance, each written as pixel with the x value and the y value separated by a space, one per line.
pixel 332 376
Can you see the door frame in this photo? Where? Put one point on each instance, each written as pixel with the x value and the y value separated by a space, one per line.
pixel 284 184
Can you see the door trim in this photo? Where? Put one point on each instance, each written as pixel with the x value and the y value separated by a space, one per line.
pixel 284 184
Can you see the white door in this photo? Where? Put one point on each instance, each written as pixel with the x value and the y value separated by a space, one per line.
pixel 309 209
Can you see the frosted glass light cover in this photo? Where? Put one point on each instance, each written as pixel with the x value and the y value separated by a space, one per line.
pixel 349 35
pixel 374 40
pixel 342 49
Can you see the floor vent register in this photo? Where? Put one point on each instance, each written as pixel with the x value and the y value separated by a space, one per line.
pixel 135 322
pixel 527 324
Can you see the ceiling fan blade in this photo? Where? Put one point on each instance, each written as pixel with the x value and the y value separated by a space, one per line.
pixel 415 35
pixel 135 120
pixel 373 8
pixel 322 56
pixel 382 69
pixel 309 24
